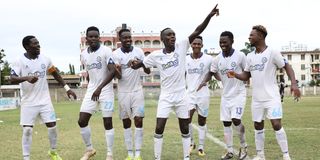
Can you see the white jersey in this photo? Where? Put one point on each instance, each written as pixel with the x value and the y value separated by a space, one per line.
pixel 130 80
pixel 236 62
pixel 96 65
pixel 37 93
pixel 196 71
pixel 171 67
pixel 263 68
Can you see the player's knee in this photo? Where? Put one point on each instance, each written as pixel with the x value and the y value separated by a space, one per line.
pixel 277 126
pixel 184 129
pixel 138 121
pixel 258 125
pixel 159 130
pixel 227 123
pixel 236 122
pixel 82 123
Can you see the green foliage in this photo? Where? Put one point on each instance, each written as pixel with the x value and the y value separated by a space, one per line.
pixel 213 84
pixel 248 48
pixel 5 73
pixel 71 69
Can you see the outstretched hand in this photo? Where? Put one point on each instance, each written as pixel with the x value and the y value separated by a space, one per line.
pixel 231 74
pixel 215 11
pixel 32 79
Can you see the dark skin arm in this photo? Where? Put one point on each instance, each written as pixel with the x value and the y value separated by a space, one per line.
pixel 294 86
pixel 137 63
pixel 14 79
pixel 244 76
pixel 207 78
pixel 107 80
pixel 204 24
pixel 118 72
pixel 58 78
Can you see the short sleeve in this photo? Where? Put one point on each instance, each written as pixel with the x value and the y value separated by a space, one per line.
pixel 15 68
pixel 214 65
pixel 278 59
pixel 149 61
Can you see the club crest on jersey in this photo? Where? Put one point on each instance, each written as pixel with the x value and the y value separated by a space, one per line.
pixel 43 66
pixel 99 59
pixel 233 64
pixel 259 67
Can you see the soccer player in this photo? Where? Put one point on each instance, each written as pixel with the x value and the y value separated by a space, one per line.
pixel 234 93
pixel 99 64
pixel 171 62
pixel 30 70
pixel 261 66
pixel 197 66
pixel 130 93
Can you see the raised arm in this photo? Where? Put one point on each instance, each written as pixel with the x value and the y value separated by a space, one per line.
pixel 204 24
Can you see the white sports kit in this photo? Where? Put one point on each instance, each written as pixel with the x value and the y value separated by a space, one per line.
pixel 37 92
pixel 96 65
pixel 196 71
pixel 172 75
pixel 265 91
pixel 130 93
pixel 233 96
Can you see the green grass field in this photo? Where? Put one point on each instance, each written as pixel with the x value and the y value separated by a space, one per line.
pixel 301 122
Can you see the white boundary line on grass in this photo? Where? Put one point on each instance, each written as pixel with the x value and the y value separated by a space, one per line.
pixel 217 141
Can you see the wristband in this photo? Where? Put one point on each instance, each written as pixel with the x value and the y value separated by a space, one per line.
pixel 66 87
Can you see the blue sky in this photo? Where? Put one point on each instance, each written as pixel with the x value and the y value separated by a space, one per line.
pixel 57 24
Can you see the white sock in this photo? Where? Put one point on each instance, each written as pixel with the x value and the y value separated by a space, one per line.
pixel 259 140
pixel 240 130
pixel 228 138
pixel 138 134
pixel 191 133
pixel 26 141
pixel 282 141
pixel 202 136
pixel 158 140
pixel 109 140
pixel 128 140
pixel 52 134
pixel 186 145
pixel 86 137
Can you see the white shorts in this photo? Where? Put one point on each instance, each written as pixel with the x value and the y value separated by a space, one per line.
pixel 232 108
pixel 131 104
pixel 271 109
pixel 201 104
pixel 174 101
pixel 29 114
pixel 105 103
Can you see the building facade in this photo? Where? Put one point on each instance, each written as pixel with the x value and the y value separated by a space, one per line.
pixel 306 65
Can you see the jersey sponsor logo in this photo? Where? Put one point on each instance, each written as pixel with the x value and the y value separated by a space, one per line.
pixel 173 63
pixel 197 70
pixel 259 67
pixel 233 68
pixel 39 74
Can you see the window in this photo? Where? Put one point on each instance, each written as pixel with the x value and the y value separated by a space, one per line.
pixel 289 57
pixel 303 66
pixel 316 57
pixel 303 77
pixel 302 57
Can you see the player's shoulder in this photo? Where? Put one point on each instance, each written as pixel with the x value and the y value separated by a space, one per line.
pixel 106 49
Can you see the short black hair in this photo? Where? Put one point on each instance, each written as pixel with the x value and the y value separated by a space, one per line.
pixel 161 32
pixel 261 29
pixel 26 40
pixel 123 30
pixel 92 28
pixel 228 34
pixel 199 37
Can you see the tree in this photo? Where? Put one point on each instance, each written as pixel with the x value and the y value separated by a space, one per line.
pixel 248 48
pixel 5 73
pixel 2 55
pixel 71 67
